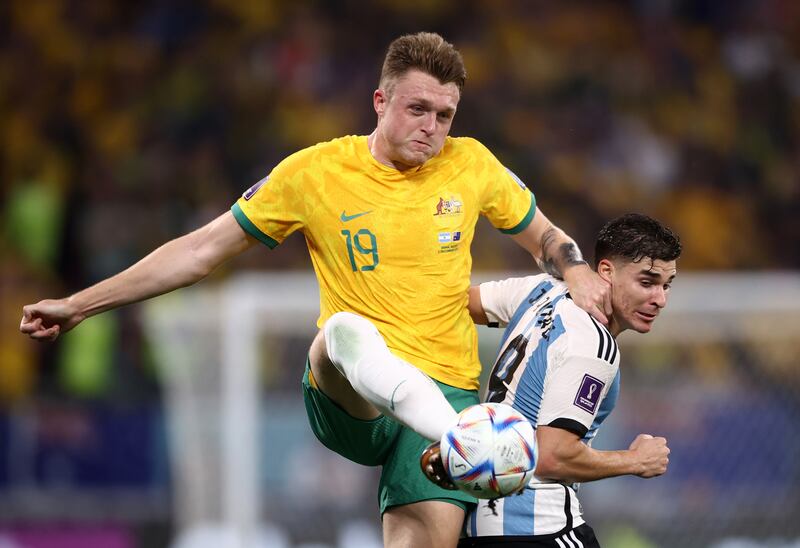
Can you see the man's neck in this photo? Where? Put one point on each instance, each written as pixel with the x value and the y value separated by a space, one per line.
pixel 614 327
pixel 376 148
pixel 373 142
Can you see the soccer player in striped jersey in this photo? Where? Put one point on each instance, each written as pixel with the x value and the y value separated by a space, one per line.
pixel 559 367
pixel 388 219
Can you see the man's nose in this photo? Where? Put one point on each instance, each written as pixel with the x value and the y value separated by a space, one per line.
pixel 429 124
pixel 660 297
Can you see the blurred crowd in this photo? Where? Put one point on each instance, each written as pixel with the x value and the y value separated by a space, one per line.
pixel 125 124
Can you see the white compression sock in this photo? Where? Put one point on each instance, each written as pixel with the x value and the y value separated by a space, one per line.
pixel 394 386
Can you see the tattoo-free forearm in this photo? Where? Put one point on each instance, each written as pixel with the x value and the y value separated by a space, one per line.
pixel 178 263
pixel 563 457
pixel 167 268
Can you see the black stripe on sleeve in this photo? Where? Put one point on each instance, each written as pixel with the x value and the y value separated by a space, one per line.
pixel 600 336
pixel 605 352
pixel 610 345
pixel 570 425
pixel 614 355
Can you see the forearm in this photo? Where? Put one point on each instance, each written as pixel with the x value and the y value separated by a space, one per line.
pixel 178 263
pixel 556 253
pixel 559 253
pixel 581 463
pixel 171 266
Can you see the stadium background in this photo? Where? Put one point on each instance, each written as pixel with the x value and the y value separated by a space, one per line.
pixel 126 124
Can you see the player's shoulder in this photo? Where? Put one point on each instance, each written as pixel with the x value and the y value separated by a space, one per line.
pixel 478 160
pixel 346 145
pixel 586 336
pixel 466 145
pixel 518 291
pixel 320 154
pixel 519 282
pixel 515 297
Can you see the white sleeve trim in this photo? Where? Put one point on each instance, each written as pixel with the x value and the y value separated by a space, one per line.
pixel 500 299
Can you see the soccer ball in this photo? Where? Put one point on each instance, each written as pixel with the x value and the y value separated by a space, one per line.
pixel 491 451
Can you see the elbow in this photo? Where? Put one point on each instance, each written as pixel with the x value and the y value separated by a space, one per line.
pixel 562 455
pixel 475 306
pixel 201 267
pixel 195 269
pixel 548 466
pixel 199 272
pixel 202 260
pixel 559 465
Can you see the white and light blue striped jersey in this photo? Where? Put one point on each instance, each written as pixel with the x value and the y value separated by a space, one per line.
pixel 559 367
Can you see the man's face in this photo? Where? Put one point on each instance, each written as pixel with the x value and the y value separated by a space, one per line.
pixel 638 290
pixel 414 117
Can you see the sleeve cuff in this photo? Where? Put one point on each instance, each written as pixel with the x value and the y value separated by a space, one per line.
pixel 570 425
pixel 248 226
pixel 523 224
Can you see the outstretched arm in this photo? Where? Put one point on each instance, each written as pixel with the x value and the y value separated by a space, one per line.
pixel 563 457
pixel 178 263
pixel 558 255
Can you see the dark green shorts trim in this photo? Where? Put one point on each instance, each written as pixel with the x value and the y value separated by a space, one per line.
pixel 383 442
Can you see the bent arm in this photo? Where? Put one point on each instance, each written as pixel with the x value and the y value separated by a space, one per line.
pixel 563 457
pixel 554 251
pixel 475 306
pixel 178 263
pixel 558 255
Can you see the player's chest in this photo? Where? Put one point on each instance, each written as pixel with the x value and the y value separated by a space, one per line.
pixel 403 226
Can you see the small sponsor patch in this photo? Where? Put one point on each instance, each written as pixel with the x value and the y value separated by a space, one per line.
pixel 456 236
pixel 253 189
pixel 589 393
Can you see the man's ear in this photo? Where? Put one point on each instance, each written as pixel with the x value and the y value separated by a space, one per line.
pixel 379 100
pixel 605 269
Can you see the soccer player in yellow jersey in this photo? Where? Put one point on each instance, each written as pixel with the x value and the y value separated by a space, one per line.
pixel 388 219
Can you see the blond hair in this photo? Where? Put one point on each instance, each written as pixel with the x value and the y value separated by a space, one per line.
pixel 427 52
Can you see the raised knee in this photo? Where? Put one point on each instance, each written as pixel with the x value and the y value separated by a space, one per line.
pixel 343 327
pixel 348 320
pixel 348 338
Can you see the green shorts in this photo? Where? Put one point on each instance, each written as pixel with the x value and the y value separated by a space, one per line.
pixel 383 442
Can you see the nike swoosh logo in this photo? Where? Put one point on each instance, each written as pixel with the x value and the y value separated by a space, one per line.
pixel 346 217
pixel 391 399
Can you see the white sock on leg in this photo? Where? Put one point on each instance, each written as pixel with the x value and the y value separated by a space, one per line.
pixel 394 386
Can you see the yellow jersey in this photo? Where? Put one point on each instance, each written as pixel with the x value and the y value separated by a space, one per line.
pixel 393 246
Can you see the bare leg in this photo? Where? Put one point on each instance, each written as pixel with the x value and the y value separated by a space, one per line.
pixel 430 523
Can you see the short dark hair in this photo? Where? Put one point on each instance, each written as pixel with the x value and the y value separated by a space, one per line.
pixel 427 52
pixel 633 237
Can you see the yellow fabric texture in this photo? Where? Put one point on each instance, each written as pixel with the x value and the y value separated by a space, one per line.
pixel 393 246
